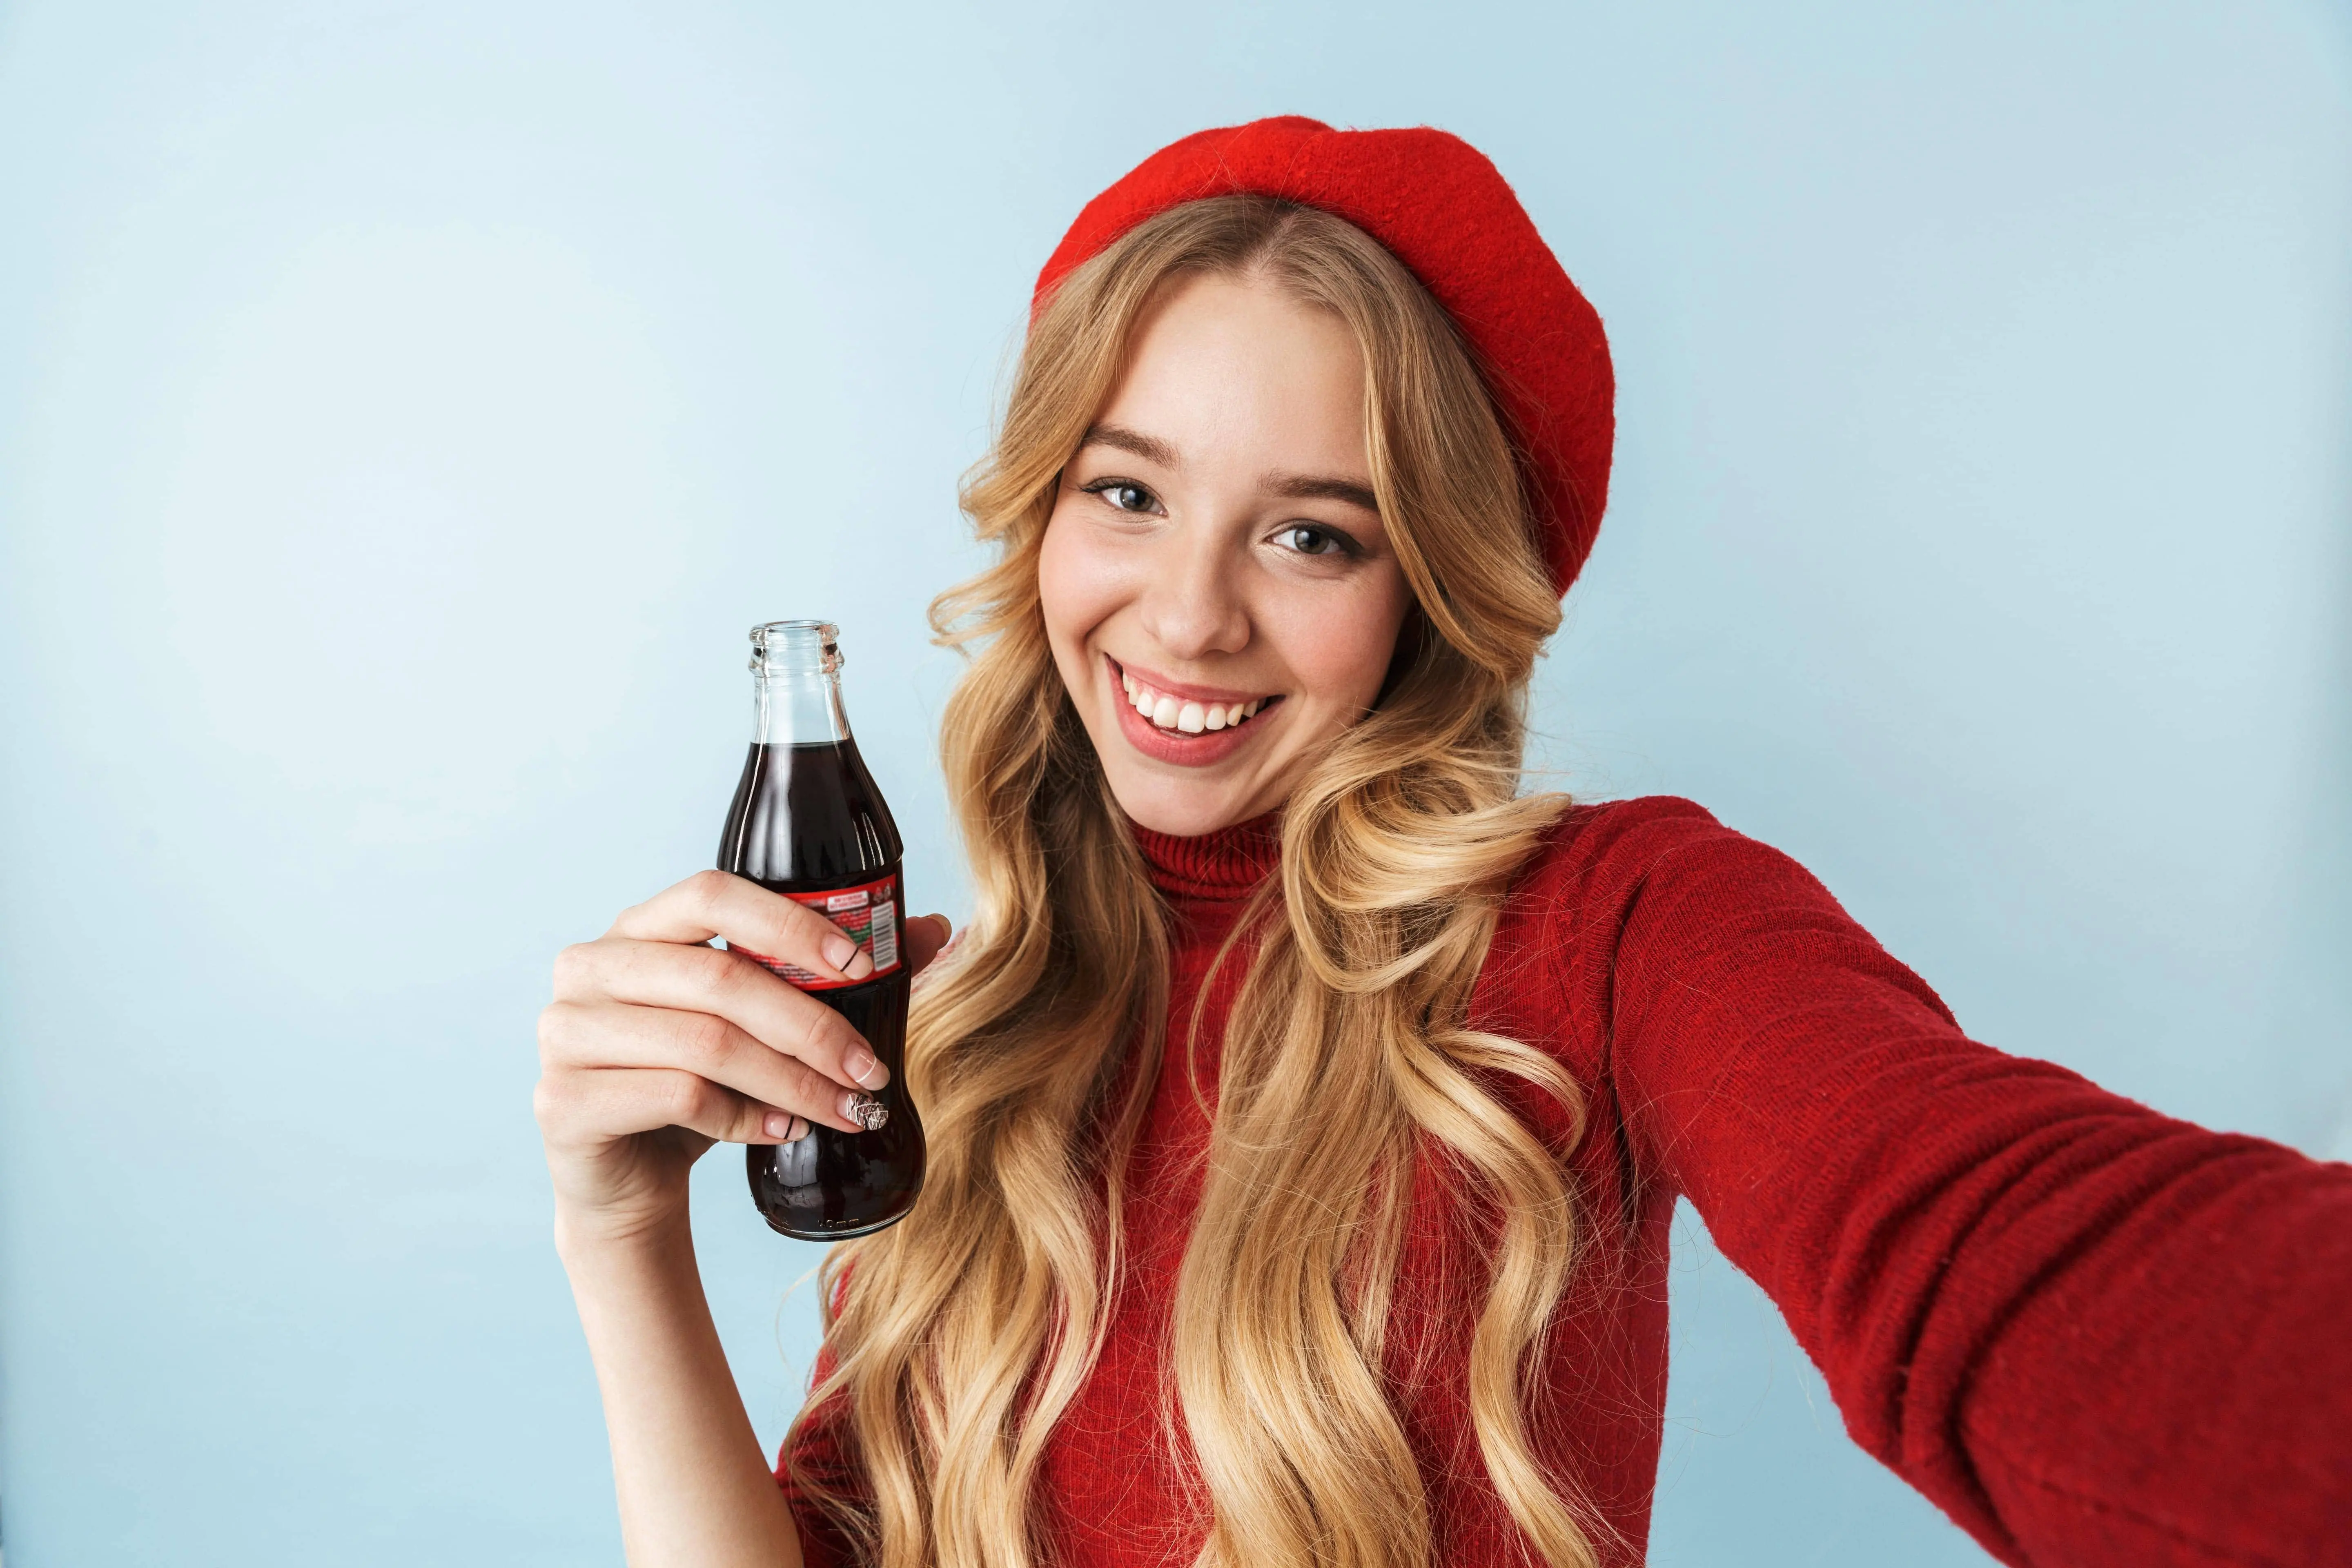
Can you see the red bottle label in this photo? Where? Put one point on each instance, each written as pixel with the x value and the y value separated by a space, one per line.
pixel 868 915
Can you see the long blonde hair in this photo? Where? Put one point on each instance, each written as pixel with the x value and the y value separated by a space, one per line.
pixel 1348 1063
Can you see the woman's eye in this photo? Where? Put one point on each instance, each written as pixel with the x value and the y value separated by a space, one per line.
pixel 1122 494
pixel 1308 540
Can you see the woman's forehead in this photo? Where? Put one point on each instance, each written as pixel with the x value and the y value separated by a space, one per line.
pixel 1233 371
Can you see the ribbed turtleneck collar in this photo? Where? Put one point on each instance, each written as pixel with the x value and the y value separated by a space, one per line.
pixel 1226 865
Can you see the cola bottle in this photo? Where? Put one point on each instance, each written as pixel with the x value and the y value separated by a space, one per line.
pixel 808 823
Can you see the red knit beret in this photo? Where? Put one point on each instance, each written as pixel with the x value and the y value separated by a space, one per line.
pixel 1445 212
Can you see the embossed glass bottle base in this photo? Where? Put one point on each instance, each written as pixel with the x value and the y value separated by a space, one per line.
pixel 832 1186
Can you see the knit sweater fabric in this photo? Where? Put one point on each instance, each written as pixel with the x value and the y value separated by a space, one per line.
pixel 2092 1334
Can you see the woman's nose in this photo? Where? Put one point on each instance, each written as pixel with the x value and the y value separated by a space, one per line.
pixel 1192 606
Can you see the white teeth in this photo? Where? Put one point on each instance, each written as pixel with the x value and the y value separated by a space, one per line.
pixel 1189 718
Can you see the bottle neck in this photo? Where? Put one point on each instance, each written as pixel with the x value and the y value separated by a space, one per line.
pixel 797 707
pixel 797 685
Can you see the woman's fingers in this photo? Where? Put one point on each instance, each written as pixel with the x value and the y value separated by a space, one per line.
pixel 714 903
pixel 613 1035
pixel 921 938
pixel 726 986
pixel 593 1105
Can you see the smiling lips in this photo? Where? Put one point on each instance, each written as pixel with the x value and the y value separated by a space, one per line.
pixel 1182 714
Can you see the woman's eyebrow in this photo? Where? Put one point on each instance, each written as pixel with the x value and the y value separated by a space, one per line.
pixel 1150 448
pixel 1316 487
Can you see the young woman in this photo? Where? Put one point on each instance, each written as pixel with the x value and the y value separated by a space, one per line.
pixel 1306 1105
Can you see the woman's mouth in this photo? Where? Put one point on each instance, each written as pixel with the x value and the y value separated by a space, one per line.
pixel 1167 711
pixel 1191 725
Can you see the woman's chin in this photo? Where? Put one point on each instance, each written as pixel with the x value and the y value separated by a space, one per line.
pixel 1183 810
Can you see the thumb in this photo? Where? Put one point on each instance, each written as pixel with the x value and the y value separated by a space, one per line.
pixel 923 936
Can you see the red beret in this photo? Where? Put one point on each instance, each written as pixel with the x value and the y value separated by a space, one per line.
pixel 1445 212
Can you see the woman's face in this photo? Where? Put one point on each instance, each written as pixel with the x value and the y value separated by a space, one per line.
pixel 1220 594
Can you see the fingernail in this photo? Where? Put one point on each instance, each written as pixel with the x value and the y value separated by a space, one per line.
pixel 865 1109
pixel 790 1128
pixel 839 951
pixel 861 966
pixel 865 1067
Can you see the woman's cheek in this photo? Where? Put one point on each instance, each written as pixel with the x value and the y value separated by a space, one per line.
pixel 1341 652
pixel 1076 588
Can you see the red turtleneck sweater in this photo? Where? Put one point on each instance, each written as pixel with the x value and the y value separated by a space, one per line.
pixel 2092 1334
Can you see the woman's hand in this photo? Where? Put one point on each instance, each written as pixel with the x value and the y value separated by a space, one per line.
pixel 657 1047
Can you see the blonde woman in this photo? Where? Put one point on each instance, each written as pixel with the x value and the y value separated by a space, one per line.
pixel 1306 1104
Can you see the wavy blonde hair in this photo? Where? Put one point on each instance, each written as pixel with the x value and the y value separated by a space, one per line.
pixel 1346 1061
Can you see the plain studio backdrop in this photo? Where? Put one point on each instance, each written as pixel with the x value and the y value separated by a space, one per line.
pixel 405 410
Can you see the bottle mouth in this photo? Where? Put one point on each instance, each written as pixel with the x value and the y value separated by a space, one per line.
pixel 796 647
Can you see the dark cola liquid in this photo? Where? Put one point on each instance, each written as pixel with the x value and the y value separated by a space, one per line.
pixel 807 818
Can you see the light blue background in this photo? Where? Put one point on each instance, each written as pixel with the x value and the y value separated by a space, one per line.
pixel 404 409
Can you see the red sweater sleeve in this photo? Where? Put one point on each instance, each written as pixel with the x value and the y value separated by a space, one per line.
pixel 2091 1333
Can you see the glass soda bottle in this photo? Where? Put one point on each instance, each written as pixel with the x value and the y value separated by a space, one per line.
pixel 808 823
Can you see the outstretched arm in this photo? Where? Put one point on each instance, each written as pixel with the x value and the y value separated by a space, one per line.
pixel 2093 1334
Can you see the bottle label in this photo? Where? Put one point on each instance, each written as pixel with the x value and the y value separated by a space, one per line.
pixel 868 915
